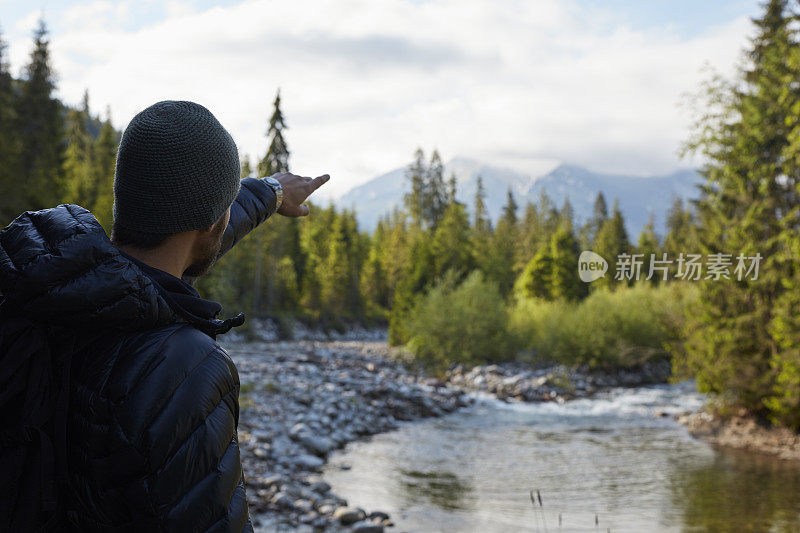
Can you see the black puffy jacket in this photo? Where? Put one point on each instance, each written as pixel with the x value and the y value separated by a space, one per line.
pixel 153 398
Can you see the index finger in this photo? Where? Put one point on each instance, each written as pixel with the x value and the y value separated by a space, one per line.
pixel 318 182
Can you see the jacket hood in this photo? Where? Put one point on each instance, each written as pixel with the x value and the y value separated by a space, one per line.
pixel 57 266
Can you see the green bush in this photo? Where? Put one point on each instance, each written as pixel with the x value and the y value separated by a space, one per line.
pixel 620 328
pixel 464 323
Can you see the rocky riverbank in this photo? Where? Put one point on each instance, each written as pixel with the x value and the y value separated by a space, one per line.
pixel 743 432
pixel 518 382
pixel 302 400
pixel 270 330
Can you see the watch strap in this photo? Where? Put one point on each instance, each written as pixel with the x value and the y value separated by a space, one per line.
pixel 277 188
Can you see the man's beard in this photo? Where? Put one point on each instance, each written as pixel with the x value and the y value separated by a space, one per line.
pixel 208 255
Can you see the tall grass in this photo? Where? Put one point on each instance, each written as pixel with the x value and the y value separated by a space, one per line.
pixel 620 328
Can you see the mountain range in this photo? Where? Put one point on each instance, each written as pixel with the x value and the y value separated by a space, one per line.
pixel 638 196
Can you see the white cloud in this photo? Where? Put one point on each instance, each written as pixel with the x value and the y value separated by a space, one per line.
pixel 519 83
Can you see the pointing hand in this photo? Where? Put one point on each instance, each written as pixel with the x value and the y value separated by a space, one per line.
pixel 296 189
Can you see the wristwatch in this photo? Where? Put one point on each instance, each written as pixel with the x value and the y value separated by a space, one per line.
pixel 277 188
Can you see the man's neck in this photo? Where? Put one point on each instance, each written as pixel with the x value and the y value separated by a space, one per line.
pixel 161 258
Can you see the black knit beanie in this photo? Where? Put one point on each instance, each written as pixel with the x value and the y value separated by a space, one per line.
pixel 177 170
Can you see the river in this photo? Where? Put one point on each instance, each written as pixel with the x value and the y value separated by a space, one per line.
pixel 614 462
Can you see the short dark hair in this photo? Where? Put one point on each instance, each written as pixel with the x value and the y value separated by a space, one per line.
pixel 142 240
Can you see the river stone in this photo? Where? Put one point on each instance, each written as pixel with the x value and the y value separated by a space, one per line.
pixel 297 429
pixel 305 399
pixel 308 518
pixel 280 447
pixel 347 516
pixel 326 508
pixel 319 445
pixel 275 479
pixel 292 489
pixel 321 522
pixel 261 435
pixel 380 515
pixel 308 461
pixel 282 499
pixel 308 494
pixel 303 506
pixel 367 527
pixel 321 487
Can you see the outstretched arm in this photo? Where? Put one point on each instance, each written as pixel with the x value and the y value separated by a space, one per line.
pixel 256 203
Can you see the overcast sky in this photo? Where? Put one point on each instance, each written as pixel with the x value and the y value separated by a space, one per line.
pixel 518 83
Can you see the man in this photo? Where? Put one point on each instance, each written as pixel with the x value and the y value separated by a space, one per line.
pixel 153 399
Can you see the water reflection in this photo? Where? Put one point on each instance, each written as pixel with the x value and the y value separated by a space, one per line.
pixel 443 489
pixel 613 459
pixel 739 491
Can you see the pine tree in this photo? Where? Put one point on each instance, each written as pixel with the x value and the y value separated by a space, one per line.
pixel 481 229
pixel 552 274
pixel 540 222
pixel 435 198
pixel 592 227
pixel 78 157
pixel 741 333
pixel 246 167
pixel 564 281
pixel 374 282
pixel 395 249
pixel 510 209
pixel 315 252
pixel 451 245
pixel 611 242
pixel 270 243
pixel 548 214
pixel 502 263
pixel 680 237
pixel 451 189
pixel 414 200
pixel 290 233
pixel 40 128
pixel 277 157
pixel 535 280
pixel 418 275
pixel 566 214
pixel 105 158
pixel 357 252
pixel 649 247
pixel 599 210
pixel 11 184
pixel 530 234
pixel 335 272
pixel 480 215
pixel 784 401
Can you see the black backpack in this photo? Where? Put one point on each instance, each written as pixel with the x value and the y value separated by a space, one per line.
pixel 34 396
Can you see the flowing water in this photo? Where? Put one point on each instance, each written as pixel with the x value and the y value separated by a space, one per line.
pixel 613 462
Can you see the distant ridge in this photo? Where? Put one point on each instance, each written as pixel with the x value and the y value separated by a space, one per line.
pixel 638 196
